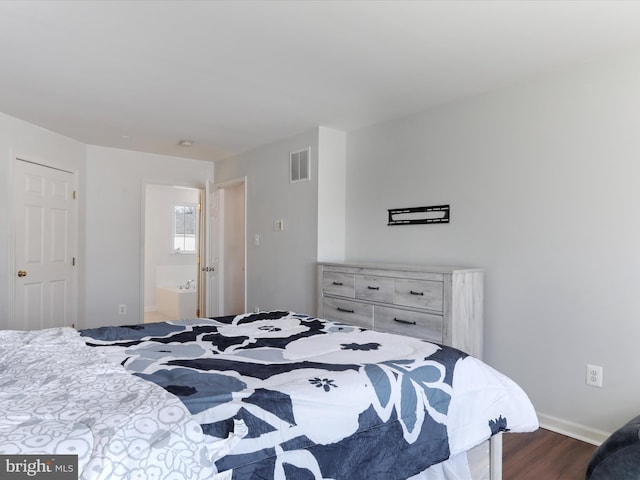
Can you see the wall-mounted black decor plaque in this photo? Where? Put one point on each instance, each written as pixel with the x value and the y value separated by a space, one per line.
pixel 419 215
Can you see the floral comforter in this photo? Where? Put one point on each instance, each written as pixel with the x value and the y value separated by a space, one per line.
pixel 320 399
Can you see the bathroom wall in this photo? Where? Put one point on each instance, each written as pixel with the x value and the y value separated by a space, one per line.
pixel 163 267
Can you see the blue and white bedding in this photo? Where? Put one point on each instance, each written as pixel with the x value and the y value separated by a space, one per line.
pixel 316 399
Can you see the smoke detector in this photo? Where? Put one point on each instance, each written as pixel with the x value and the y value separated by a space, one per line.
pixel 185 143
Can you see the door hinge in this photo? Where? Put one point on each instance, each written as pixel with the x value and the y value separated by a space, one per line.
pixel 73 262
pixel 75 196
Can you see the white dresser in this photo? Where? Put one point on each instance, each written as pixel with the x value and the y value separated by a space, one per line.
pixel 440 304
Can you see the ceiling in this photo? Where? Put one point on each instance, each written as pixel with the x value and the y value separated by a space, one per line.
pixel 234 75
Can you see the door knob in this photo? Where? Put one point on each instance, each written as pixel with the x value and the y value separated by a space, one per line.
pixel 22 273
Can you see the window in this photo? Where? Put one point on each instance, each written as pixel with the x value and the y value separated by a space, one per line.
pixel 185 225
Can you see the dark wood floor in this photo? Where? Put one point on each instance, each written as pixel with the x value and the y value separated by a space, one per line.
pixel 544 455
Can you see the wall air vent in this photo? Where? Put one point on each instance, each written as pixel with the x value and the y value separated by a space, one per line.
pixel 299 165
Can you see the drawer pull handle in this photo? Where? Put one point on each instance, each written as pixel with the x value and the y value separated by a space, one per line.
pixel 339 284
pixel 346 310
pixel 416 293
pixel 373 288
pixel 407 322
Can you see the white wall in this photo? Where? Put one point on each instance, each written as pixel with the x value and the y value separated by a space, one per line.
pixel 331 195
pixel 115 186
pixel 29 142
pixel 543 183
pixel 281 271
pixel 163 267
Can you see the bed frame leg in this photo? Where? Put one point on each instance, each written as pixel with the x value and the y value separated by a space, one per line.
pixel 495 456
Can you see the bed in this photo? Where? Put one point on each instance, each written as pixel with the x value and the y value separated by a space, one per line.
pixel 270 395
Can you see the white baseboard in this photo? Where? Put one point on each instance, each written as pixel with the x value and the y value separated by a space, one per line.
pixel 573 430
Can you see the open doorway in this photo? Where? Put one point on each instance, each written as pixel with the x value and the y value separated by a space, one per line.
pixel 228 252
pixel 171 249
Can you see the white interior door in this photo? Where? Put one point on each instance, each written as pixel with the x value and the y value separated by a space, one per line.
pixel 226 248
pixel 45 286
pixel 210 267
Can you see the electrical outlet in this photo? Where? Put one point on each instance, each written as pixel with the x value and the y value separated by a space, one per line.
pixel 122 309
pixel 594 375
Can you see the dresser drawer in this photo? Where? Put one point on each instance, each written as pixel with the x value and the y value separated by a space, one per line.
pixel 335 283
pixel 418 293
pixel 406 322
pixel 375 289
pixel 354 313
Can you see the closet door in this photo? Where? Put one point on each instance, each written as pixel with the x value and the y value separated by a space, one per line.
pixel 45 231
